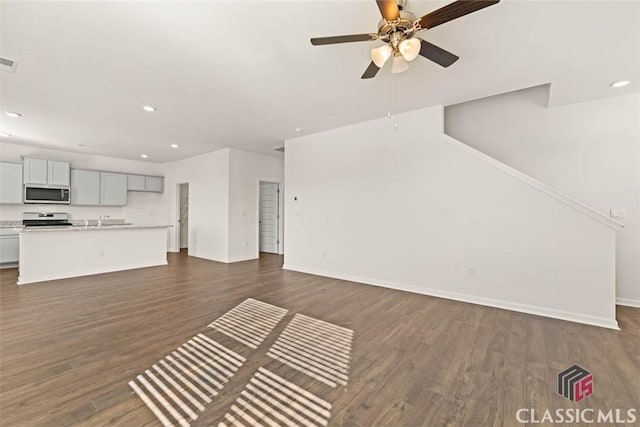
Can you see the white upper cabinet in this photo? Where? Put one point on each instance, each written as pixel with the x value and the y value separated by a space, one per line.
pixel 136 183
pixel 58 173
pixel 85 187
pixel 113 189
pixel 35 171
pixel 46 172
pixel 89 188
pixel 145 183
pixel 10 183
pixel 154 184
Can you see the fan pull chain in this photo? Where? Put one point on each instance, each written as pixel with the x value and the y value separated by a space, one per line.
pixel 394 103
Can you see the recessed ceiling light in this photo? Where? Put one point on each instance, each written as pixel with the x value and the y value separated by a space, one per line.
pixel 81 145
pixel 12 114
pixel 148 108
pixel 174 146
pixel 299 130
pixel 5 135
pixel 619 83
pixel 144 156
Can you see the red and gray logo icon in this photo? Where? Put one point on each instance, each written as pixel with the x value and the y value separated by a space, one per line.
pixel 575 383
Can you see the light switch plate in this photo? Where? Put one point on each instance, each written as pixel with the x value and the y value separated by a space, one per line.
pixel 618 213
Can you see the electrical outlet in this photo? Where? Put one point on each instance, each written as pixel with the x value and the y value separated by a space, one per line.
pixel 471 272
pixel 100 252
pixel 246 243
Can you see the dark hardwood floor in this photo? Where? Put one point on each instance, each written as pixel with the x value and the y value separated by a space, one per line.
pixel 69 347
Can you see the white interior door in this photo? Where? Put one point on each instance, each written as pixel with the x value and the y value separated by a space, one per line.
pixel 184 216
pixel 269 216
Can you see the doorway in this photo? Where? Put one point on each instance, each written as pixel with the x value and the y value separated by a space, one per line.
pixel 183 215
pixel 269 217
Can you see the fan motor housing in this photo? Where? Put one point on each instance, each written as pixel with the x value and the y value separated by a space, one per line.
pixel 404 24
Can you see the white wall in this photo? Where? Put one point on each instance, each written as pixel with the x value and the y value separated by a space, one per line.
pixel 590 151
pixel 223 202
pixel 208 178
pixel 414 209
pixel 147 208
pixel 246 171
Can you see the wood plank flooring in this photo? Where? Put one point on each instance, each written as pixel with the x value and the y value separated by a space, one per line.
pixel 68 348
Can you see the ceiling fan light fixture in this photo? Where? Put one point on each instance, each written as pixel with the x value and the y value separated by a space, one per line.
pixel 398 64
pixel 380 55
pixel 409 49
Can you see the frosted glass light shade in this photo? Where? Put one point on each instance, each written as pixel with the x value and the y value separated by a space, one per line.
pixel 409 49
pixel 399 65
pixel 379 55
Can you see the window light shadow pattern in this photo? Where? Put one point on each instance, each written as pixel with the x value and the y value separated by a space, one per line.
pixel 270 400
pixel 316 348
pixel 250 322
pixel 177 388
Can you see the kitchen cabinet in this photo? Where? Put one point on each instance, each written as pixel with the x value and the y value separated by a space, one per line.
pixel 35 171
pixel 113 189
pixel 46 172
pixel 136 183
pixel 154 184
pixel 107 188
pixel 85 187
pixel 151 184
pixel 58 173
pixel 10 183
pixel 9 247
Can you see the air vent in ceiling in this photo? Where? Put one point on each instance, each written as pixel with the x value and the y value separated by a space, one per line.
pixel 8 65
pixel 281 149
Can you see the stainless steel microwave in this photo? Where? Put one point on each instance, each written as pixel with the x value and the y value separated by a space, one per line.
pixel 35 194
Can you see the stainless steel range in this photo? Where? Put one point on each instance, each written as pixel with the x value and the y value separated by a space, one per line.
pixel 45 219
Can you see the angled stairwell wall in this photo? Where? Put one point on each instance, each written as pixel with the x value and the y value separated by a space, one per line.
pixel 413 209
pixel 589 151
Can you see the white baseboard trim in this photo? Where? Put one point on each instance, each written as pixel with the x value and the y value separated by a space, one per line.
pixel 226 260
pixel 45 278
pixel 506 305
pixel 8 265
pixel 241 258
pixel 628 302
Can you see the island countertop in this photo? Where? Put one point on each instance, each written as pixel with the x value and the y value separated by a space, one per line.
pixel 91 228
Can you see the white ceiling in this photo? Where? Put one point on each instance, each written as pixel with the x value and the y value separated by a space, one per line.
pixel 243 73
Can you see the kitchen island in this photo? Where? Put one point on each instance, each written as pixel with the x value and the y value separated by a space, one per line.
pixel 49 253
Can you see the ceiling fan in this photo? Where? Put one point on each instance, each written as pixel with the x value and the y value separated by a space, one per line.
pixel 398 29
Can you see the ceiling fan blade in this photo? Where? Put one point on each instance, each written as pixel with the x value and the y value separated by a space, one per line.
pixel 389 9
pixel 371 71
pixel 437 54
pixel 318 41
pixel 452 11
